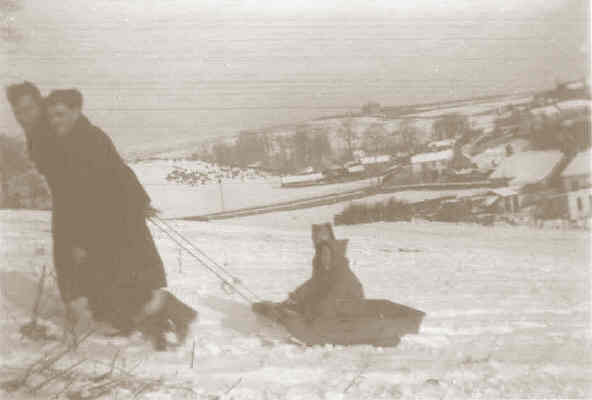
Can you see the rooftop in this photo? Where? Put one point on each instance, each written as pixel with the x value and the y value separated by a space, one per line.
pixel 432 156
pixel 375 159
pixel 527 167
pixel 580 165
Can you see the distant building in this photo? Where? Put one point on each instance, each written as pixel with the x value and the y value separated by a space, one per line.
pixel 502 200
pixel 371 160
pixel 577 184
pixel 528 168
pixel 439 145
pixel 355 169
pixel 577 173
pixel 429 166
pixel 302 180
pixel 376 165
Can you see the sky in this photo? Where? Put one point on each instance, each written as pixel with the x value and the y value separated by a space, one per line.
pixel 170 72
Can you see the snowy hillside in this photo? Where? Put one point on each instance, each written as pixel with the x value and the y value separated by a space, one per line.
pixel 508 316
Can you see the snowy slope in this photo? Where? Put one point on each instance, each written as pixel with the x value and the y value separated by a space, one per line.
pixel 508 314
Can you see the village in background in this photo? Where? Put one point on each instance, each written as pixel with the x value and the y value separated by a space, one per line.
pixel 518 159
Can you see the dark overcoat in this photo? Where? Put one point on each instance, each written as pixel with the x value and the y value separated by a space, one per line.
pixel 99 206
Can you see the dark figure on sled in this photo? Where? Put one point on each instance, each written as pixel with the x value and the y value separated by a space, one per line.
pixel 330 307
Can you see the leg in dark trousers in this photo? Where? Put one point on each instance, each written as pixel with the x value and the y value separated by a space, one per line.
pixel 181 315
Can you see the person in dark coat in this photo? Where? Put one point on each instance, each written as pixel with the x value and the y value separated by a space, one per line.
pixel 332 281
pixel 104 254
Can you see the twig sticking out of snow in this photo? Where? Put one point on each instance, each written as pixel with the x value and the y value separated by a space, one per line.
pixel 238 382
pixel 38 297
pixel 192 353
pixel 56 376
pixel 358 378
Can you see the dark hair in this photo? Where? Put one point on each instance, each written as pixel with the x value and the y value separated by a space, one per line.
pixel 72 98
pixel 18 90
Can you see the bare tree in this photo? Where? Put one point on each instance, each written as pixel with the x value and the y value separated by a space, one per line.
pixel 375 138
pixel 408 132
pixel 450 126
pixel 8 30
pixel 348 135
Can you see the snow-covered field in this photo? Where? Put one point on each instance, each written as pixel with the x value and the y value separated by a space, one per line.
pixel 508 314
pixel 179 200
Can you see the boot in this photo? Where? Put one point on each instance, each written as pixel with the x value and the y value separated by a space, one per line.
pixel 155 328
pixel 181 315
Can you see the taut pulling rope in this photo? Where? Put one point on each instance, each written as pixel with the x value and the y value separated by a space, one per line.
pixel 202 258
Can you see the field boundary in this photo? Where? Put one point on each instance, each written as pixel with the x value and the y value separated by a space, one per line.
pixel 338 197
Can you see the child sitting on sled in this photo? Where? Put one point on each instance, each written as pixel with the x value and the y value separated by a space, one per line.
pixel 332 281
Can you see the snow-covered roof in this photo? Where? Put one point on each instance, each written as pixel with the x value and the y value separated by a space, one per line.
pixel 573 105
pixel 548 111
pixel 433 156
pixel 356 168
pixel 302 178
pixel 580 165
pixel 527 167
pixel 503 192
pixel 375 159
pixel 442 143
pixel 490 200
pixel 575 85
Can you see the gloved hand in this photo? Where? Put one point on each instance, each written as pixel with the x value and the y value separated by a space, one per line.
pixel 151 212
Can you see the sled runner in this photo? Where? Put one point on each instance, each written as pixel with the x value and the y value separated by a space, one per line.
pixel 365 321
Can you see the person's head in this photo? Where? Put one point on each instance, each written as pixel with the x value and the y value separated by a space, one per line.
pixel 64 108
pixel 322 233
pixel 27 104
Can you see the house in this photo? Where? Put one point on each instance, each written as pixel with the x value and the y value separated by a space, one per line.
pixel 577 173
pixel 355 169
pixel 528 168
pixel 439 145
pixel 576 182
pixel 502 200
pixel 302 180
pixel 371 160
pixel 429 166
pixel 375 165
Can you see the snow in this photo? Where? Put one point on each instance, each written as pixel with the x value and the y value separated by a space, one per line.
pixel 302 178
pixel 574 105
pixel 528 166
pixel 580 165
pixel 178 200
pixel 433 156
pixel 508 312
pixel 375 159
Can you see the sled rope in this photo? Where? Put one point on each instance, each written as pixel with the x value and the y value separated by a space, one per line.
pixel 249 296
pixel 184 239
pixel 202 262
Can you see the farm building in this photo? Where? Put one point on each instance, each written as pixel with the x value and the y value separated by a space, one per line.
pixel 302 180
pixel 374 165
pixel 502 200
pixel 528 167
pixel 576 182
pixel 431 165
pixel 577 173
pixel 439 145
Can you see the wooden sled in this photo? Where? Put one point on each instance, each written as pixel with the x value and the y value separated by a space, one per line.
pixel 374 322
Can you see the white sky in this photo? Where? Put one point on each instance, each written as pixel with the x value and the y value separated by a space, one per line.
pixel 156 72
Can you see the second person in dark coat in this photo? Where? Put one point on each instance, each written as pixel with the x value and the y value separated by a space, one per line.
pixel 105 251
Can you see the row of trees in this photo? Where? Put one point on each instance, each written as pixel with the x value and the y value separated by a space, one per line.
pixel 20 185
pixel 312 147
pixel 283 153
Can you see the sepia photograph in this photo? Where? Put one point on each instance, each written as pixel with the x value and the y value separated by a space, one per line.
pixel 295 200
